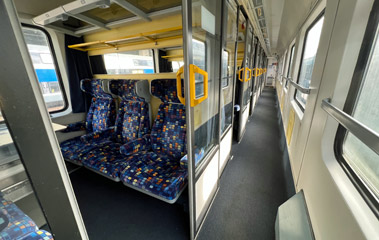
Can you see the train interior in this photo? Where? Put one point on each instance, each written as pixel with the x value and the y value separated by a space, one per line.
pixel 189 119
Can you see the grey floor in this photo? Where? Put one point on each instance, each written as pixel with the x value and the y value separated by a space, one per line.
pixel 253 184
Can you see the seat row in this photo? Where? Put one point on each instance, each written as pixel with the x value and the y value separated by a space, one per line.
pixel 122 146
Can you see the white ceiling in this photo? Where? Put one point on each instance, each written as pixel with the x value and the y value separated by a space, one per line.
pixel 37 7
pixel 285 19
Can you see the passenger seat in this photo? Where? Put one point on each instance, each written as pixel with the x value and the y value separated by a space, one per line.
pixel 153 166
pixel 100 117
pixel 132 122
pixel 14 224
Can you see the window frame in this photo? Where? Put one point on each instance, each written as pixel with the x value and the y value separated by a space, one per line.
pixel 290 64
pixel 314 22
pixel 371 37
pixel 55 62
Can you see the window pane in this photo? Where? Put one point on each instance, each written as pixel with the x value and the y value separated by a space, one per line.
pixel 44 66
pixel 199 58
pixel 132 62
pixel 308 61
pixel 228 57
pixel 289 73
pixel 176 65
pixel 361 158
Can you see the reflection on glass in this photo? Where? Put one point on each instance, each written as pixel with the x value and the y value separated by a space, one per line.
pixel 206 117
pixel 311 45
pixel 15 187
pixel 43 63
pixel 289 73
pixel 132 62
pixel 362 159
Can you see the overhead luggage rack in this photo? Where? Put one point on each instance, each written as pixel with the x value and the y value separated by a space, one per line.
pixel 134 39
pixel 79 17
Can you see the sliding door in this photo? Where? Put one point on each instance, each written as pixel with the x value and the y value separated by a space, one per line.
pixel 202 82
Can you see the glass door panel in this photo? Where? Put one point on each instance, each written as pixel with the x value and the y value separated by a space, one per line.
pixel 244 72
pixel 202 80
pixel 228 67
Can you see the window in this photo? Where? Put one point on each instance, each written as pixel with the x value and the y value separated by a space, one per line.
pixel 44 63
pixel 132 62
pixel 176 65
pixel 359 161
pixel 289 75
pixel 312 39
pixel 199 59
pixel 226 73
pixel 1 117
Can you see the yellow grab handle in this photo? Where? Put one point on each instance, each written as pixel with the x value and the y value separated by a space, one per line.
pixel 255 72
pixel 249 70
pixel 245 79
pixel 179 85
pixel 239 75
pixel 193 69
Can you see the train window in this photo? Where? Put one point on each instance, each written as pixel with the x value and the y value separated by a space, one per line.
pixel 226 71
pixel 312 39
pixel 1 117
pixel 290 64
pixel 132 62
pixel 359 161
pixel 176 65
pixel 199 59
pixel 44 63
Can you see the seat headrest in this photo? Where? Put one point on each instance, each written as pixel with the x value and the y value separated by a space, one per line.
pixel 165 90
pixel 131 90
pixel 94 87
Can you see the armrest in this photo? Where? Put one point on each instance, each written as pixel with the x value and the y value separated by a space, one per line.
pixel 140 144
pixel 98 135
pixel 73 127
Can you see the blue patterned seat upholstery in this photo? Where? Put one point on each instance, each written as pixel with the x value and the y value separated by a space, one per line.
pixel 132 122
pixel 14 224
pixel 100 117
pixel 153 165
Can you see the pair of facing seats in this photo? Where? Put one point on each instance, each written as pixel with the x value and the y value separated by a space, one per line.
pixel 146 162
pixel 14 224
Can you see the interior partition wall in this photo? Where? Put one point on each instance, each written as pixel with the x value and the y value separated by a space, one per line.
pixel 202 81
pixel 244 74
pixel 228 73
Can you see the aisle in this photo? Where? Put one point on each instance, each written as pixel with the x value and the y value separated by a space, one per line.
pixel 253 183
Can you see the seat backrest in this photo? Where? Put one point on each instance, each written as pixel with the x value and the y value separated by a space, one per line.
pixel 102 112
pixel 133 117
pixel 168 134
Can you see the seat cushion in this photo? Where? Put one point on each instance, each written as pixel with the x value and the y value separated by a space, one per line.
pixel 156 174
pixel 106 160
pixel 39 235
pixel 19 224
pixel 74 149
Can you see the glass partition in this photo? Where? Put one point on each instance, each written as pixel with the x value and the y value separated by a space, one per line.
pixel 228 68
